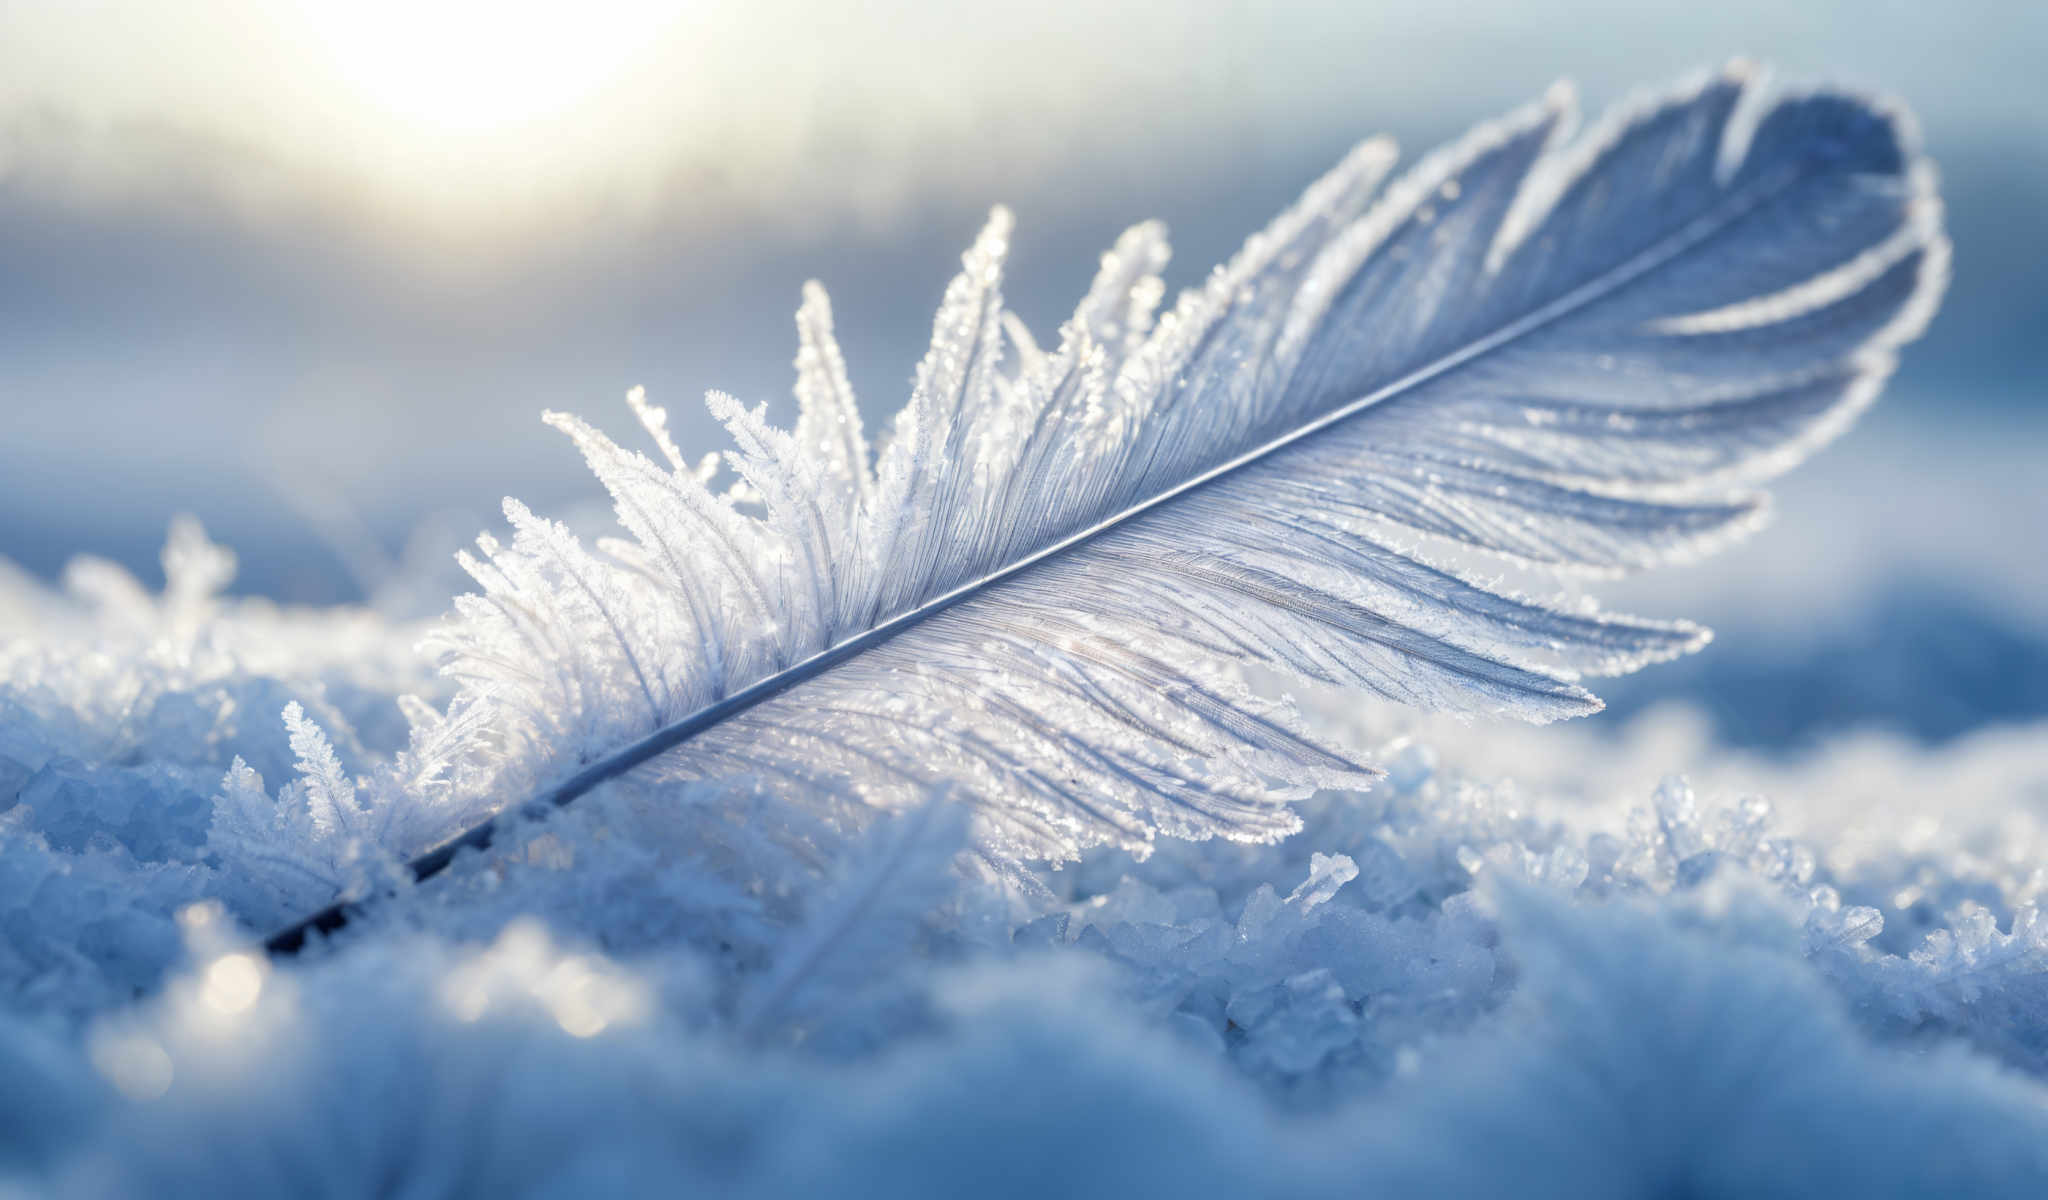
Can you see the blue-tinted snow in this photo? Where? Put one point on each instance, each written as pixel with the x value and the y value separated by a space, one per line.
pixel 1528 962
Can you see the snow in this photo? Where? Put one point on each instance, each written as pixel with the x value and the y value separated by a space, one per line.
pixel 1573 980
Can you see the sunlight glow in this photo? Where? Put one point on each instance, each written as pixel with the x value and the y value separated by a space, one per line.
pixel 134 1063
pixel 469 68
pixel 232 983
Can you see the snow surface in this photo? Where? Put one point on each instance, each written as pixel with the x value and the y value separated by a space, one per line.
pixel 1523 964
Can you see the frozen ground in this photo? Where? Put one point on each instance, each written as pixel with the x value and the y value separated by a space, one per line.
pixel 1534 961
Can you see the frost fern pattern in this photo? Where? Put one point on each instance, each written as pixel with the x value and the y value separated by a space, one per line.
pixel 1567 354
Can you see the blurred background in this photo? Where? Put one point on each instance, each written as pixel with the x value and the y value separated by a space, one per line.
pixel 311 270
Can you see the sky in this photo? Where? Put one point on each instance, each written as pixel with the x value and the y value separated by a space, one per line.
pixel 312 270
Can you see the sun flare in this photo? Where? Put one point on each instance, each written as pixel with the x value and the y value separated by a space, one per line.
pixel 474 68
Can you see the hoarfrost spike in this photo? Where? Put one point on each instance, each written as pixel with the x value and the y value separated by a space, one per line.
pixel 1576 356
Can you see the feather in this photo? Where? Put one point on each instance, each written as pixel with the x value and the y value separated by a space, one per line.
pixel 1577 355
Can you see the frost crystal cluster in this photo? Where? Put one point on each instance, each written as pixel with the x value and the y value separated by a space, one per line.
pixel 939 826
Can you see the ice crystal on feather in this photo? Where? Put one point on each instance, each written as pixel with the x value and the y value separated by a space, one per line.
pixel 1561 355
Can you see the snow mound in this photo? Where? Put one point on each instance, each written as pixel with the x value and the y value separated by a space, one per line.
pixel 1527 962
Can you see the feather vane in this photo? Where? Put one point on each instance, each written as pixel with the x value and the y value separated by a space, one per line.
pixel 1573 355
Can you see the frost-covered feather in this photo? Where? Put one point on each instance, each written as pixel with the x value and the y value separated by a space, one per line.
pixel 1530 350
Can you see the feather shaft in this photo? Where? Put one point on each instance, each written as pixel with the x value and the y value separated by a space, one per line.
pixel 1689 237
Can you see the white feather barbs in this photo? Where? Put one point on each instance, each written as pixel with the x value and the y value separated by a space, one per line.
pixel 1567 355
